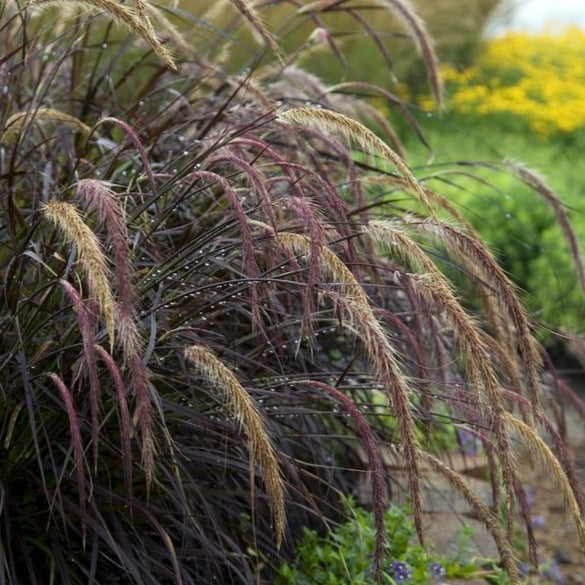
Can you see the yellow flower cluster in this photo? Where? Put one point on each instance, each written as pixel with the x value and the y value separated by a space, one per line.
pixel 539 78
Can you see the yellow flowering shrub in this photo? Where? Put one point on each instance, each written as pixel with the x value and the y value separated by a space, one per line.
pixel 538 78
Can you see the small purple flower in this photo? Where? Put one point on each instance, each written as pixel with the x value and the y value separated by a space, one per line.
pixel 470 444
pixel 400 572
pixel 538 521
pixel 437 570
pixel 370 571
pixel 523 569
pixel 553 572
pixel 530 496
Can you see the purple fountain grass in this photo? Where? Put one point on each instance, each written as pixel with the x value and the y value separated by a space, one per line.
pixel 132 135
pixel 478 259
pixel 367 328
pixel 330 202
pixel 233 219
pixel 248 414
pixel 87 334
pixel 562 454
pixel 406 333
pixel 67 218
pixel 349 129
pixel 267 150
pixel 404 10
pixel 307 213
pixel 99 197
pixel 126 427
pixel 391 98
pixel 15 123
pixel 257 180
pixel 437 292
pixel 370 113
pixel 249 13
pixel 127 16
pixel 540 449
pixel 248 250
pixel 407 13
pixel 334 147
pixel 76 440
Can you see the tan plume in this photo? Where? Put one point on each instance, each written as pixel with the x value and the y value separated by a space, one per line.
pixel 69 221
pixel 337 124
pixel 16 122
pixel 246 412
pixel 123 15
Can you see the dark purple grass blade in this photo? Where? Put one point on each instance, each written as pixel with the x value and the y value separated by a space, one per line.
pixel 126 430
pixel 77 443
pixel 378 476
pixel 132 135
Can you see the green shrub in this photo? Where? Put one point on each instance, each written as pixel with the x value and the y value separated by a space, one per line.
pixel 344 555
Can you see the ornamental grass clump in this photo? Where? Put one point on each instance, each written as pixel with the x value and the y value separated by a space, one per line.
pixel 211 290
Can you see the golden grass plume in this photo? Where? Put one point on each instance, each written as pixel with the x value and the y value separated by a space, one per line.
pixel 435 290
pixel 434 287
pixel 486 515
pixel 134 19
pixel 478 260
pixel 251 17
pixel 16 122
pixel 355 132
pixel 68 220
pixel 246 412
pixel 99 196
pixel 247 11
pixel 151 12
pixel 539 448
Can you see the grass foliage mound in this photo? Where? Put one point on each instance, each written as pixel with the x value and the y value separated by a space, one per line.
pixel 208 279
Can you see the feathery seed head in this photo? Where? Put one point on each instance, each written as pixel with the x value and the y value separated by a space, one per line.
pixel 17 121
pixel 331 122
pixel 122 14
pixel 246 412
pixel 99 196
pixel 538 447
pixel 67 219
